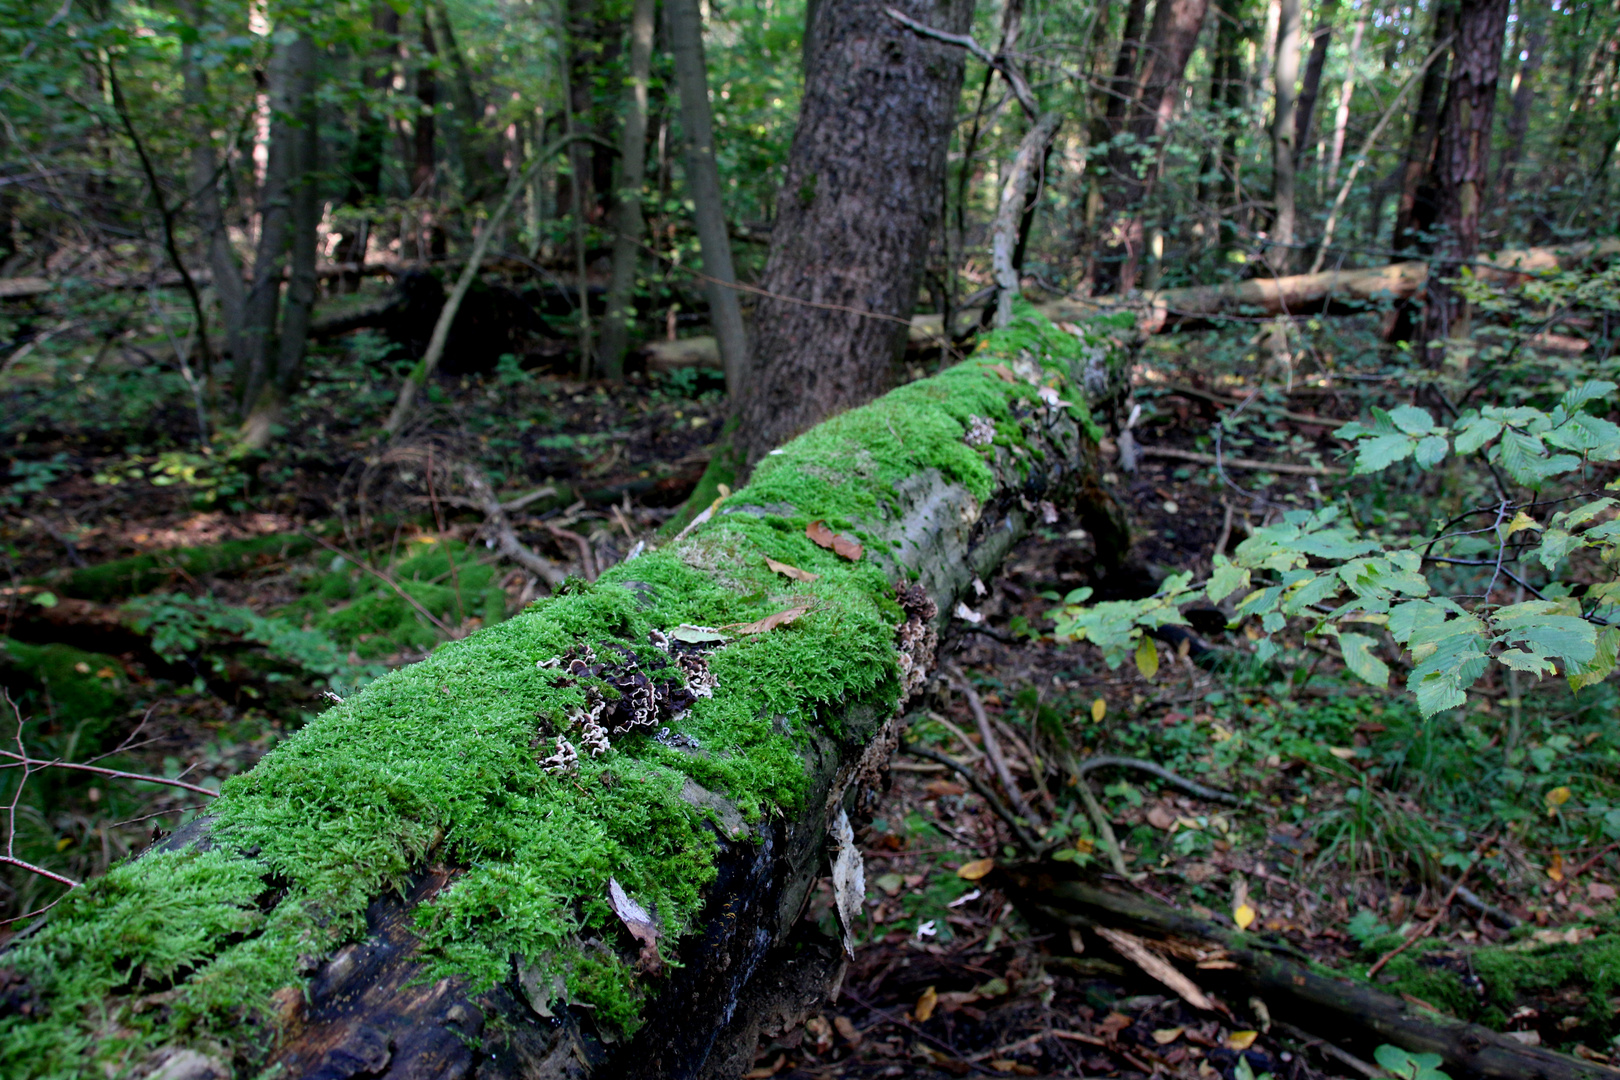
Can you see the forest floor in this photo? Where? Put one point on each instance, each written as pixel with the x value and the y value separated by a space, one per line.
pixel 183 612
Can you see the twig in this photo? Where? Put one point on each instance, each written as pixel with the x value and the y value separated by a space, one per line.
pixel 1014 78
pixel 386 580
pixel 974 753
pixel 1445 905
pixel 506 539
pixel 980 788
pixel 587 558
pixel 992 748
pixel 902 1022
pixel 1372 1072
pixel 1105 830
pixel 1191 787
pixel 1240 463
pixel 1593 861
pixel 1226 530
pixel 40 870
pixel 36 764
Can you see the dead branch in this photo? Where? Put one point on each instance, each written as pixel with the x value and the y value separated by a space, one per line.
pixel 992 747
pixel 1239 463
pixel 587 557
pixel 1191 787
pixel 506 539
pixel 980 788
pixel 34 765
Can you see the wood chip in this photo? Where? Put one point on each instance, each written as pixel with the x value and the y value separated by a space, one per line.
pixel 791 571
pixel 1136 951
pixel 837 543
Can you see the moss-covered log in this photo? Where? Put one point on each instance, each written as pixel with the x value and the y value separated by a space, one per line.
pixel 579 841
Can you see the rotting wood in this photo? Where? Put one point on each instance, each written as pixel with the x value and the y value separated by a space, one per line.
pixel 749 777
pixel 1351 1012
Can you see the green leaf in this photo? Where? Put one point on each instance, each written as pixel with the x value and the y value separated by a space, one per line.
pixel 1563 636
pixel 1430 452
pixel 1382 451
pixel 1412 420
pixel 1572 401
pixel 1603 661
pixel 1405 1065
pixel 1555 546
pixel 1226 579
pixel 1358 657
pixel 1474 432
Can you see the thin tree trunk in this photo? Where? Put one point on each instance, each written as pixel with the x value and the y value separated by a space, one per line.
pixel 1311 87
pixel 305 220
pixel 1461 157
pixel 1524 97
pixel 1341 117
pixel 465 129
pixel 370 137
pixel 577 184
pixel 1014 194
pixel 859 204
pixel 1121 163
pixel 703 181
pixel 1284 130
pixel 627 211
pixel 425 164
pixel 1234 30
pixel 205 172
pixel 253 367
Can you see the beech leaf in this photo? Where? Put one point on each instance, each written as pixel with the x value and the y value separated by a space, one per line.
pixel 791 571
pixel 771 622
pixel 837 543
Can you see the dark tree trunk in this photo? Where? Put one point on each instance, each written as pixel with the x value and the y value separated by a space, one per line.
pixel 1311 86
pixel 304 219
pixel 627 224
pixel 427 96
pixel 1103 269
pixel 204 195
pixel 595 34
pixel 1227 85
pixel 365 169
pixel 253 368
pixel 1416 210
pixel 854 218
pixel 468 140
pixel 1176 26
pixel 1461 156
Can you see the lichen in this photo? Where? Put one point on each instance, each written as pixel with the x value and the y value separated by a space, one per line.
pixel 442 761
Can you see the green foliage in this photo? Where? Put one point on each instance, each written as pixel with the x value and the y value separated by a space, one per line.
pixel 1405 1065
pixel 143 573
pixel 83 691
pixel 1317 569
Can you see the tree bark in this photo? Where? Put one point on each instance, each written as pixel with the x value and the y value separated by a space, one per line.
pixel 253 368
pixel 685 25
pixel 860 201
pixel 205 174
pixel 627 210
pixel 304 220
pixel 405 831
pixel 365 167
pixel 1227 90
pixel 1311 87
pixel 468 140
pixel 1461 156
pixel 1280 255
pixel 1341 116
pixel 425 163
pixel 1415 212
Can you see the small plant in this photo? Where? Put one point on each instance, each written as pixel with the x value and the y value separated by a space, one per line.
pixel 1409 1066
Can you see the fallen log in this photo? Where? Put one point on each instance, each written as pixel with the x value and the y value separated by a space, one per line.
pixel 1351 1013
pixel 579 842
pixel 1196 307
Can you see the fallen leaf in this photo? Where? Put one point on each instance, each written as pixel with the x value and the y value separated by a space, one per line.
pixel 849 884
pixel 1241 1040
pixel 1002 1065
pixel 1166 1036
pixel 992 988
pixel 696 635
pixel 976 869
pixel 1098 708
pixel 925 1005
pixel 1555 869
pixel 846 1030
pixel 1599 891
pixel 760 1072
pixel 1243 915
pixel 639 923
pixel 1085 845
pixel 1557 797
pixel 1004 372
pixel 837 543
pixel 1161 818
pixel 891 884
pixel 791 571
pixel 771 622
pixel 1343 753
pixel 941 788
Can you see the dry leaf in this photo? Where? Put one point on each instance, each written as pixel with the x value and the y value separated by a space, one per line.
pixel 1243 915
pixel 1598 891
pixel 771 622
pixel 1241 1040
pixel 849 886
pixel 1136 951
pixel 791 571
pixel 1166 1036
pixel 1098 708
pixel 976 869
pixel 837 543
pixel 847 1030
pixel 1085 845
pixel 1555 869
pixel 639 923
pixel 942 788
pixel 1160 817
pixel 1005 372
pixel 925 1005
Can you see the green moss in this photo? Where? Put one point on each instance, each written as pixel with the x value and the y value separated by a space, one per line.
pixel 79 690
pixel 1575 983
pixel 440 760
pixel 143 573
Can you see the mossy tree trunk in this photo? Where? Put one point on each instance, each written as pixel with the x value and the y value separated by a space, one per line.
pixel 579 842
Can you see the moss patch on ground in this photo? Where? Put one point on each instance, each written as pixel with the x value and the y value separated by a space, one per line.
pixel 441 761
pixel 143 573
pixel 83 693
